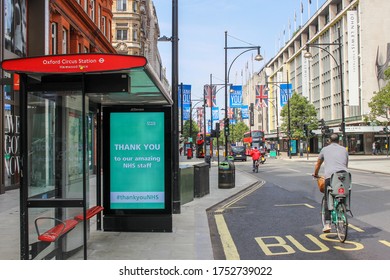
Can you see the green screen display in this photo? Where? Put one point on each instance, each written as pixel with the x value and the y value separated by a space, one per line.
pixel 137 166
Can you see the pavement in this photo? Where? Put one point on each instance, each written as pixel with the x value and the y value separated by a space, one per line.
pixel 190 238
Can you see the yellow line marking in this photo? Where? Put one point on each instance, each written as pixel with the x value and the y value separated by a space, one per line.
pixel 296 204
pixel 355 228
pixel 384 242
pixel 238 198
pixel 229 247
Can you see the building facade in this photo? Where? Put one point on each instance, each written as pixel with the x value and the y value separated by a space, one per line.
pixel 43 27
pixel 356 31
pixel 136 31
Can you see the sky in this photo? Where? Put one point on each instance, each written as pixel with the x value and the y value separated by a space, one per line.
pixel 202 26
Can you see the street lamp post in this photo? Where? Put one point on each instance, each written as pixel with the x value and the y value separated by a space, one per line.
pixel 288 113
pixel 340 68
pixel 227 72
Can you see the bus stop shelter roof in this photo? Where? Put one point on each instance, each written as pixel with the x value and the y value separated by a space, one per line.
pixel 145 87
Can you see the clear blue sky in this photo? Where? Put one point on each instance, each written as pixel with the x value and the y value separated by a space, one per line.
pixel 202 24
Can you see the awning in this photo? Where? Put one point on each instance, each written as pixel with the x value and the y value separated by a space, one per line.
pixel 145 87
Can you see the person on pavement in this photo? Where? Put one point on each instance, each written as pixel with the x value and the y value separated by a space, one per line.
pixel 255 154
pixel 335 157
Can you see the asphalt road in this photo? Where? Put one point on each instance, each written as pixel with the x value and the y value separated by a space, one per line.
pixel 279 218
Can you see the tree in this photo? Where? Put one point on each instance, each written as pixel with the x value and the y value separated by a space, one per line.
pixel 380 102
pixel 301 113
pixel 237 132
pixel 186 130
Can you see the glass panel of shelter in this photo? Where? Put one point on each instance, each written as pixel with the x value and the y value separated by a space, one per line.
pixel 55 152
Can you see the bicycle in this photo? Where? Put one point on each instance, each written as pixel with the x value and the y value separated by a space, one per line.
pixel 339 195
pixel 256 168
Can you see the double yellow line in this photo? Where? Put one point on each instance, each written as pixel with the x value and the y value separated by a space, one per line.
pixel 230 249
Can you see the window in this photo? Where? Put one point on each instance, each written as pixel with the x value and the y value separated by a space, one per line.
pixel 92 15
pixel 64 41
pixel 86 5
pixel 99 16
pixel 121 34
pixel 104 25
pixel 86 50
pixel 121 5
pixel 54 38
pixel 78 48
pixel 135 33
pixel 135 4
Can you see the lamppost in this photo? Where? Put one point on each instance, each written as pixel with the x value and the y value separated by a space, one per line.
pixel 176 206
pixel 258 57
pixel 275 105
pixel 286 92
pixel 307 54
pixel 211 105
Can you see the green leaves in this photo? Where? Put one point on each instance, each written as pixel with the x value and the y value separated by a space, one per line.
pixel 380 102
pixel 301 112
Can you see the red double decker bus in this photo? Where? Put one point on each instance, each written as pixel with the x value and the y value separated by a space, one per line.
pixel 254 138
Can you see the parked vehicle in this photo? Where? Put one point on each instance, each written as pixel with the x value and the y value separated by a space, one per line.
pixel 238 153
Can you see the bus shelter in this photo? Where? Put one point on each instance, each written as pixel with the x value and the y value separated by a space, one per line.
pixel 95 148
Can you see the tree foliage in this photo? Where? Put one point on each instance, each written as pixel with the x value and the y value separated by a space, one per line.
pixel 301 112
pixel 186 130
pixel 237 131
pixel 380 102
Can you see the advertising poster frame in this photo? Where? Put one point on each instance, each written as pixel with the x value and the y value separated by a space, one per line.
pixel 130 163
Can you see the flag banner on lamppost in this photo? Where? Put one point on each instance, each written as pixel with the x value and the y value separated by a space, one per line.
pixel 261 96
pixel 208 126
pixel 230 113
pixel 245 112
pixel 210 95
pixel 186 112
pixel 236 97
pixel 186 95
pixel 285 93
pixel 215 114
pixel 199 111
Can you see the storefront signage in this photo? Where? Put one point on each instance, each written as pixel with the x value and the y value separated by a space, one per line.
pixel 76 63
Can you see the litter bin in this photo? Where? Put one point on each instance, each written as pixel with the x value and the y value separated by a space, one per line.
pixel 201 179
pixel 226 175
pixel 186 183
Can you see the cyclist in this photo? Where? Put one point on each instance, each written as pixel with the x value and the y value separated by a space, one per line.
pixel 335 157
pixel 255 154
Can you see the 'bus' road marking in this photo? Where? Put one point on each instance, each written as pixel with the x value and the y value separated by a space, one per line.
pixel 297 204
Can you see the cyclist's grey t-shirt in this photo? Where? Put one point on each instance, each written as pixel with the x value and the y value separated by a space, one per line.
pixel 335 159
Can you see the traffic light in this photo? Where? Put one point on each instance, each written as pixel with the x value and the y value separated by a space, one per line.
pixel 305 130
pixel 217 129
pixel 226 126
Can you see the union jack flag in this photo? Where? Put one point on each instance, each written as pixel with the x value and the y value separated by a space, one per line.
pixel 230 113
pixel 261 96
pixel 210 93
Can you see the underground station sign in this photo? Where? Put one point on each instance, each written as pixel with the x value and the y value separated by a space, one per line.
pixel 76 63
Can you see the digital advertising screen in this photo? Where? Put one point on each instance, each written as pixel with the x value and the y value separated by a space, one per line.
pixel 137 160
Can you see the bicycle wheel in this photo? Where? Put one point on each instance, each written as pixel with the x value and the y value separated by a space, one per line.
pixel 342 222
pixel 323 211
